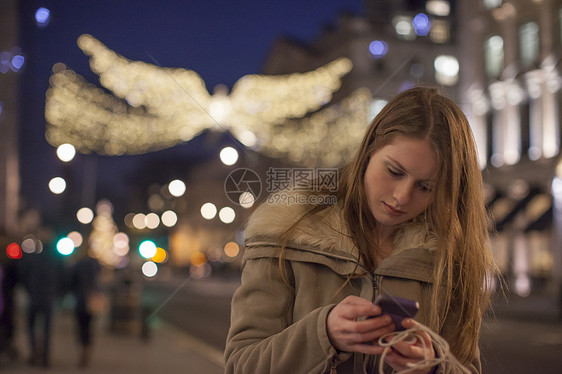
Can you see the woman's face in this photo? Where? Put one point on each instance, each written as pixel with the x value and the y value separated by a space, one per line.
pixel 399 180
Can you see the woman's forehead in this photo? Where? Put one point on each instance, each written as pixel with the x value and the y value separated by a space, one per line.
pixel 415 156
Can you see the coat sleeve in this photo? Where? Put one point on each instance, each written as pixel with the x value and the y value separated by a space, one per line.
pixel 263 338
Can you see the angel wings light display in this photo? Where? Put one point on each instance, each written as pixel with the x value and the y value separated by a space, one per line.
pixel 149 108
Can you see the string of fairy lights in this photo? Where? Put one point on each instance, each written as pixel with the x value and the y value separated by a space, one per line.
pixel 151 108
pixel 143 107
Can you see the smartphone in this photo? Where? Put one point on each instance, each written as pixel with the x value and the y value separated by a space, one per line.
pixel 397 308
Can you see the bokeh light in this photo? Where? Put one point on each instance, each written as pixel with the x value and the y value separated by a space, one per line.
pixel 17 63
pixel 147 249
pixel 215 253
pixel 14 251
pixel 85 215
pixel 421 24
pixel 156 202
pixel 65 246
pixel 201 271
pixel 57 185
pixel 121 244
pixel 208 210
pixel 177 188
pixel 28 245
pixel 438 7
pixel 231 249
pixel 5 62
pixel 246 199
pixel 169 218
pixel 248 138
pixel 152 220
pixel 128 220
pixel 378 48
pixel 139 221
pixel 42 16
pixel 149 269
pixel 227 214
pixel 31 244
pixel 446 69
pixel 228 156
pixel 197 258
pixel 403 27
pixel 66 152
pixel 160 256
pixel 76 238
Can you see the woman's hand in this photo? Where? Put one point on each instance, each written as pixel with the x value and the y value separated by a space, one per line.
pixel 403 352
pixel 350 335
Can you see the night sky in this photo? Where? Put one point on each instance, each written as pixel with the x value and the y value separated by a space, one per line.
pixel 222 40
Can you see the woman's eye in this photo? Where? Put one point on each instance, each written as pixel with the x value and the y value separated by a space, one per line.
pixel 393 172
pixel 424 188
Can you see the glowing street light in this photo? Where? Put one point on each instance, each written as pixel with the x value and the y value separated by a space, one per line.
pixel 177 188
pixel 66 152
pixel 208 210
pixel 57 185
pixel 65 246
pixel 227 214
pixel 85 215
pixel 228 156
pixel 147 249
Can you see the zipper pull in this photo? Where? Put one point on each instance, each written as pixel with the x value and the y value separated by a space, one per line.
pixel 334 365
pixel 375 283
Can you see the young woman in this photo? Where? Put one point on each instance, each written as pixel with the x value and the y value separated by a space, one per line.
pixel 409 222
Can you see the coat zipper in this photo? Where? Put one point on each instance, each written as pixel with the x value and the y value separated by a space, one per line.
pixel 333 369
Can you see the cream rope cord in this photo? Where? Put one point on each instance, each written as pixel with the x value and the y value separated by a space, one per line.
pixel 411 336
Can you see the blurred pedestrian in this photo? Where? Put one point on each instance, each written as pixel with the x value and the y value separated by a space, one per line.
pixel 85 286
pixel 9 280
pixel 42 275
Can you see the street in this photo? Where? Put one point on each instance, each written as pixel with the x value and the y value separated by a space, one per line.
pixel 201 308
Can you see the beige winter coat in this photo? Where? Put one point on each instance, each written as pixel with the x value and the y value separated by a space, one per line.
pixel 277 329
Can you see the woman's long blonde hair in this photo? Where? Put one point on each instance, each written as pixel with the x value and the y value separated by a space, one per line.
pixel 457 216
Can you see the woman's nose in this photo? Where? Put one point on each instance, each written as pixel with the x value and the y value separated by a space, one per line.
pixel 403 193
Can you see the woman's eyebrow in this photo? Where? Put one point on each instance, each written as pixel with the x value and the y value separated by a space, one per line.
pixel 405 170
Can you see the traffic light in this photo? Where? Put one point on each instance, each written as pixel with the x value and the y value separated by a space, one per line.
pixel 13 251
pixel 65 246
pixel 147 249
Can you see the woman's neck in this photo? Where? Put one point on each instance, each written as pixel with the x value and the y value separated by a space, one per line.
pixel 385 241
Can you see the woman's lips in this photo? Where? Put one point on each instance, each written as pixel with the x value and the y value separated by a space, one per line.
pixel 392 211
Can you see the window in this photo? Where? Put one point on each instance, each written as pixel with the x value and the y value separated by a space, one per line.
pixel 491 4
pixel 493 56
pixel 446 69
pixel 560 23
pixel 378 48
pixel 440 31
pixel 438 7
pixel 376 106
pixel 525 126
pixel 403 27
pixel 529 43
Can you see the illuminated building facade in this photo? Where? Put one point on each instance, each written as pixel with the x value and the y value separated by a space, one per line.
pixel 395 45
pixel 510 59
pixel 499 60
pixel 10 59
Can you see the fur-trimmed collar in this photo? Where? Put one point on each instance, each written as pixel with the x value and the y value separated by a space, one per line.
pixel 325 230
